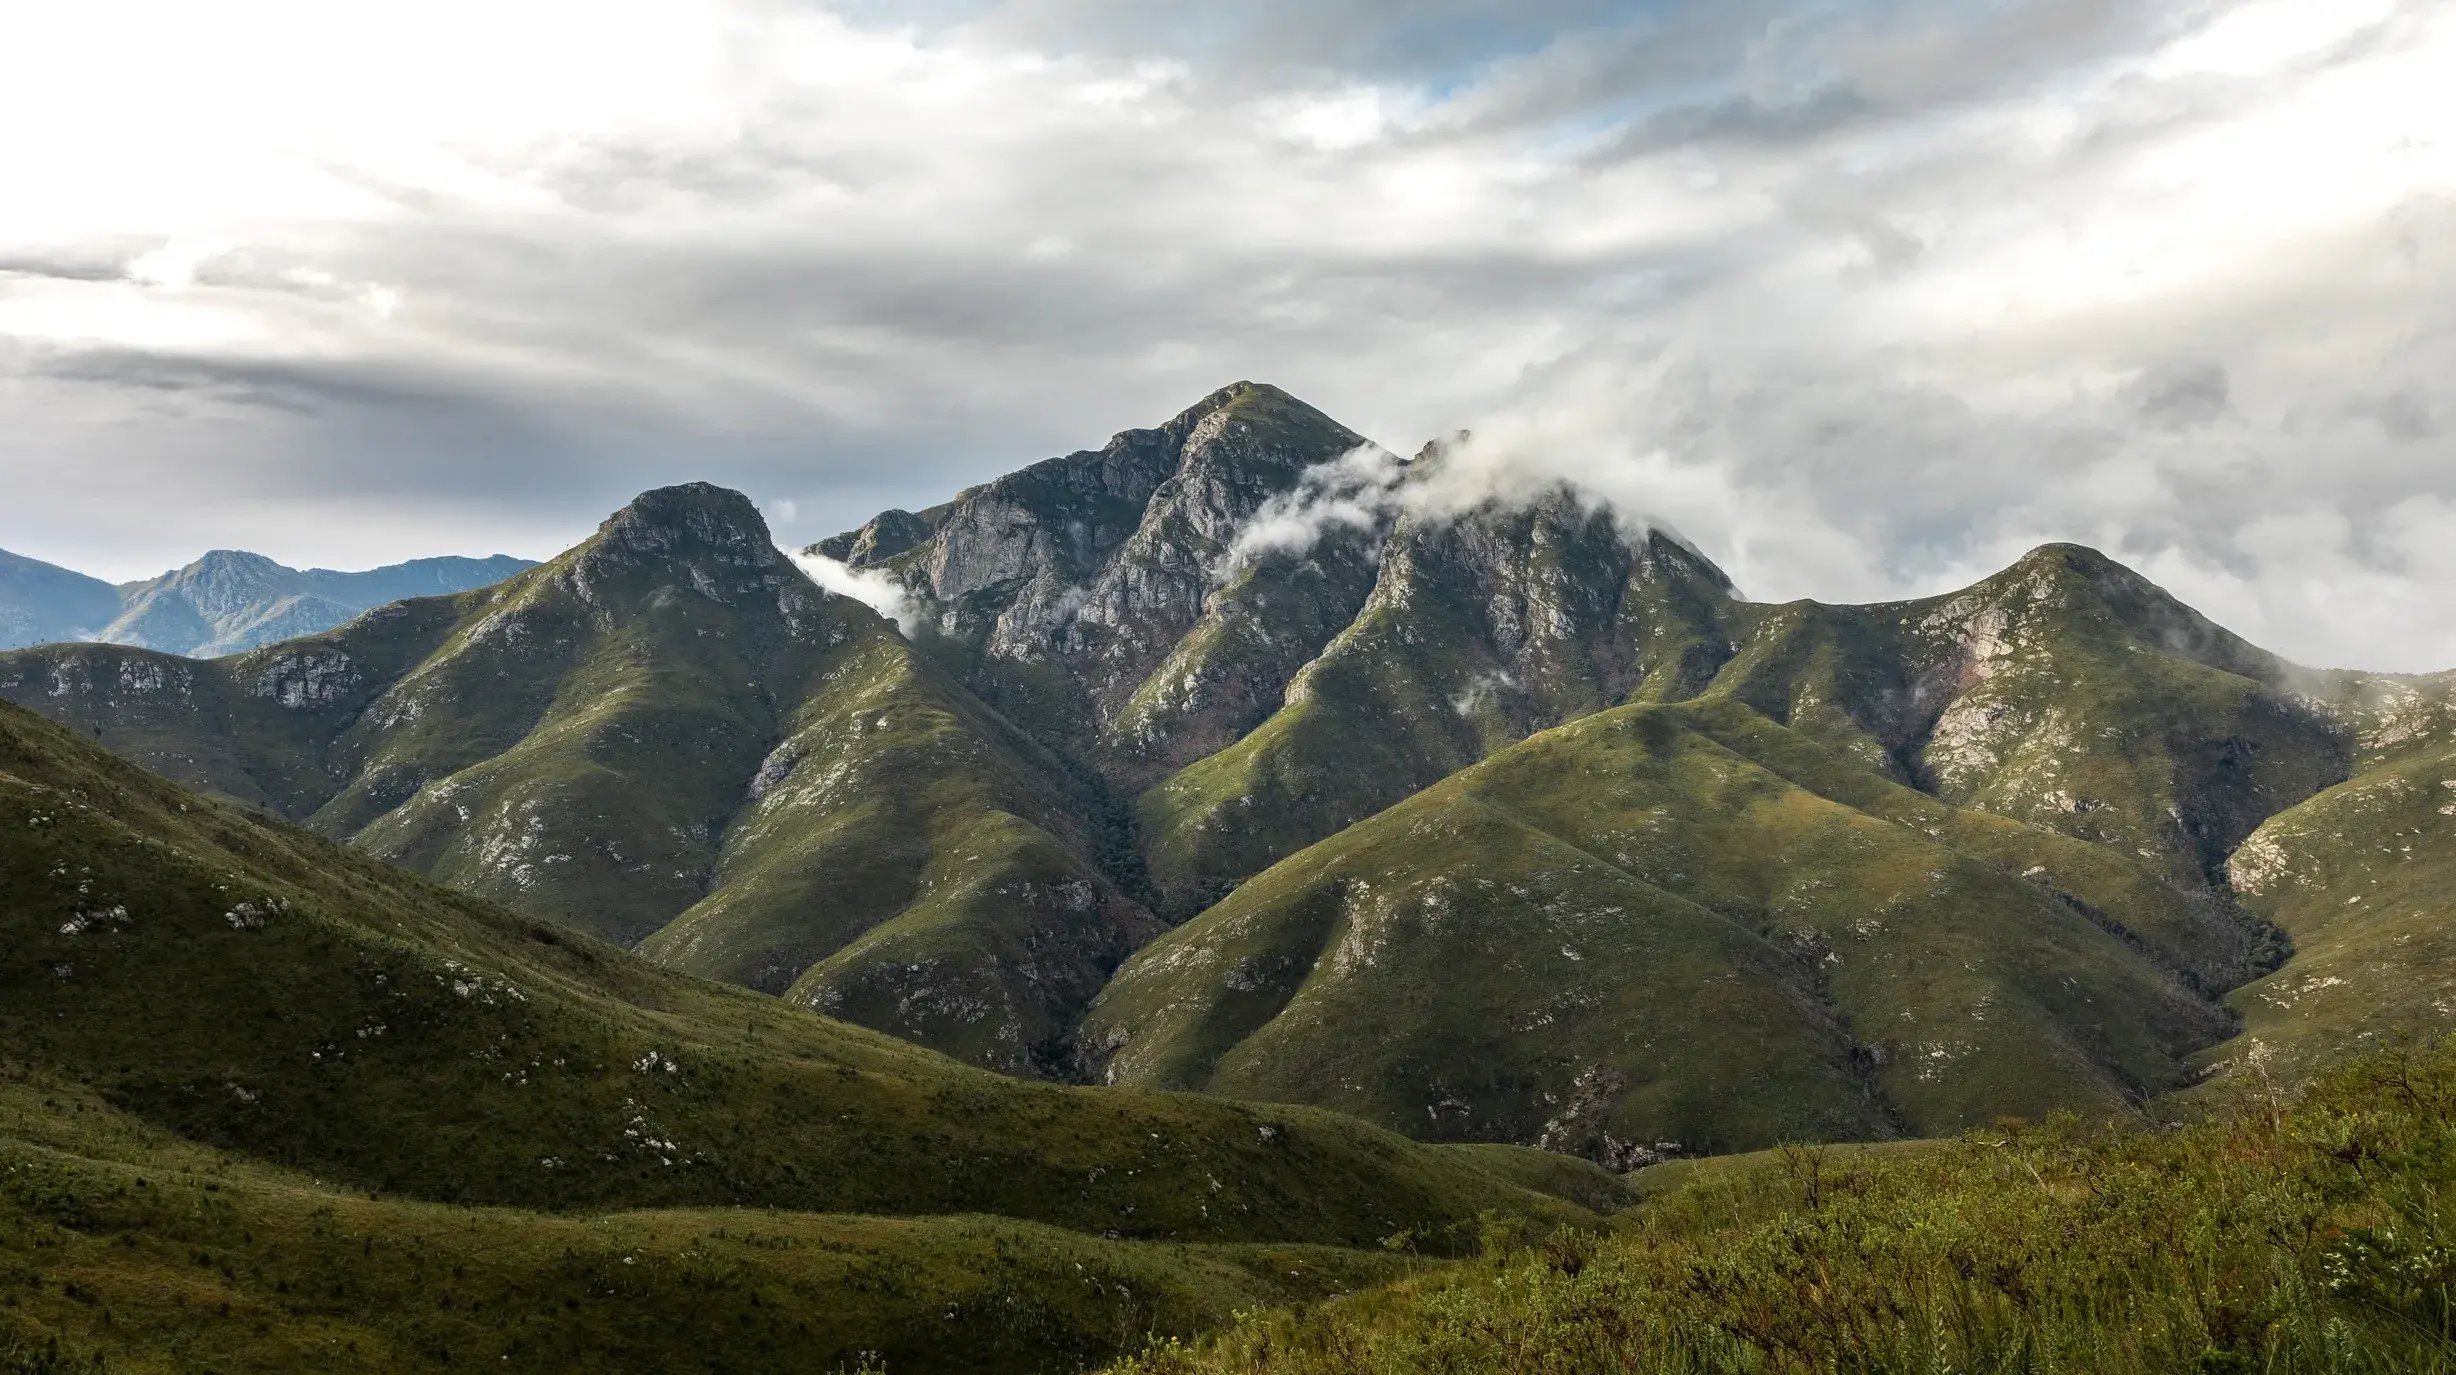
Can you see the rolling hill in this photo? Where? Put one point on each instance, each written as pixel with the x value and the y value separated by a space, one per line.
pixel 247 1070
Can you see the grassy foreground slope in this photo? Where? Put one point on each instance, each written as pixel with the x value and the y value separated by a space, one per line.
pixel 2309 1238
pixel 124 1245
pixel 1680 925
pixel 250 986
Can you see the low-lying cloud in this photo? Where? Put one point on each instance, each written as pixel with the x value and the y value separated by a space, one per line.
pixel 1359 490
pixel 868 586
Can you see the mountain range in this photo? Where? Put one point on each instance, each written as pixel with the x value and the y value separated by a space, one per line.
pixel 224 603
pixel 1237 755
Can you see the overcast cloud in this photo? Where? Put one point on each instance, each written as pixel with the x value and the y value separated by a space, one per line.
pixel 1863 298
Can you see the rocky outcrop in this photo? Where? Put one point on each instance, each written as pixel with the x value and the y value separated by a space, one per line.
pixel 1481 628
pixel 1085 573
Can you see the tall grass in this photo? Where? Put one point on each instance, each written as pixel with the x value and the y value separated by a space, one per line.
pixel 2312 1235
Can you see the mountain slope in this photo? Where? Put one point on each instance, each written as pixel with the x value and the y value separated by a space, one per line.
pixel 245 984
pixel 2067 692
pixel 1686 925
pixel 41 602
pixel 230 601
pixel 155 1258
pixel 2300 1235
pixel 1480 629
pixel 1076 594
pixel 1263 630
pixel 239 1066
pixel 667 731
pixel 224 603
pixel 2362 877
pixel 1141 676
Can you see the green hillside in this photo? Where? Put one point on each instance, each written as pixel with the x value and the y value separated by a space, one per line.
pixel 2066 693
pixel 227 1038
pixel 1481 630
pixel 2363 878
pixel 1682 927
pixel 123 1244
pixel 2298 1237
pixel 668 732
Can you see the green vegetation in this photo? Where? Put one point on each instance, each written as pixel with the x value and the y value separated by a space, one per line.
pixel 250 986
pixel 2295 1237
pixel 120 1243
pixel 1481 630
pixel 667 735
pixel 265 1102
pixel 1933 860
pixel 2363 878
pixel 2066 693
pixel 1688 928
pixel 1504 824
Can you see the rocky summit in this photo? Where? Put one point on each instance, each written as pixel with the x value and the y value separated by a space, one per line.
pixel 1241 755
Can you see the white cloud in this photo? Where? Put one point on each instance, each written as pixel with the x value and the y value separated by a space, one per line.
pixel 871 588
pixel 1858 297
pixel 1359 490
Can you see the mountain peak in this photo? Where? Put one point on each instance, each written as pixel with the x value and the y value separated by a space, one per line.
pixel 2064 556
pixel 1245 393
pixel 690 500
pixel 1253 401
pixel 691 513
pixel 2077 573
pixel 231 560
pixel 707 539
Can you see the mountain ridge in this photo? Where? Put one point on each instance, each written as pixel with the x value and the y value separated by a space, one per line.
pixel 226 601
pixel 618 737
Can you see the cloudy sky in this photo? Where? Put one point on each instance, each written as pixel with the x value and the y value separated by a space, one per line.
pixel 1863 296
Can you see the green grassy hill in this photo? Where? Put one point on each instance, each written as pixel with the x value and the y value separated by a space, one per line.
pixel 1682 926
pixel 2363 879
pixel 243 1066
pixel 2301 1237
pixel 122 1244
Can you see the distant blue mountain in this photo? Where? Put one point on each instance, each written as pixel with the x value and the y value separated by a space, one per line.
pixel 227 602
